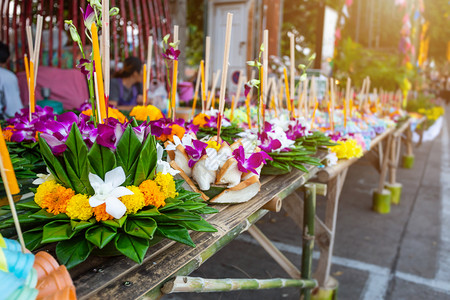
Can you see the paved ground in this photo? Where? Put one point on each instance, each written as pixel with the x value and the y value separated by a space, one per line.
pixel 403 255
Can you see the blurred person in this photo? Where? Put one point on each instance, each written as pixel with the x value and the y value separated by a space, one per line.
pixel 10 102
pixel 126 86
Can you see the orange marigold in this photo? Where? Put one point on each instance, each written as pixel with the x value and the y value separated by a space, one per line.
pixel 56 202
pixel 101 214
pixel 8 132
pixel 200 120
pixel 152 193
pixel 176 130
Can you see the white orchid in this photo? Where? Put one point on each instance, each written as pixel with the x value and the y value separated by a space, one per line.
pixel 280 135
pixel 109 192
pixel 43 178
pixel 185 141
pixel 282 122
pixel 161 165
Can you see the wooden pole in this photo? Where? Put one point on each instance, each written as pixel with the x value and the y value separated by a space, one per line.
pixel 185 284
pixel 292 66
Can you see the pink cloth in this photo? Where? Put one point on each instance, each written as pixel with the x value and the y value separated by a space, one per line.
pixel 67 86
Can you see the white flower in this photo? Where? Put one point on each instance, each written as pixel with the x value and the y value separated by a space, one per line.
pixel 43 177
pixel 280 135
pixel 185 141
pixel 331 159
pixel 163 166
pixel 109 191
pixel 281 122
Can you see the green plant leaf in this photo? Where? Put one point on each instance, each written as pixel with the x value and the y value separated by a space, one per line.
pixel 29 205
pixel 33 238
pixel 127 153
pixel 100 236
pixel 144 228
pixel 177 215
pixel 80 225
pixel 116 223
pixel 146 213
pixel 44 215
pixel 201 225
pixel 132 247
pixel 57 231
pixel 76 160
pixel 74 251
pixel 207 210
pixel 101 160
pixel 146 161
pixel 54 164
pixel 175 232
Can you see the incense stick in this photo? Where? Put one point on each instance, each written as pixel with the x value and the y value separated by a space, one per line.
pixel 197 87
pixel 207 64
pixel 292 71
pixel 149 61
pixel 213 89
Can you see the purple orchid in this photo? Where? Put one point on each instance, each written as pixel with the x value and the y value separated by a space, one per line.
pixel 196 152
pixel 110 133
pixel 161 126
pixel 251 163
pixel 296 131
pixel 335 136
pixel 191 128
pixel 171 54
pixel 268 144
pixel 247 89
pixel 88 16
pixel 85 66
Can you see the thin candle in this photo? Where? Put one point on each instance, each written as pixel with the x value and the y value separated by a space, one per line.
pixel 288 95
pixel 174 87
pixel 261 102
pixel 247 105
pixel 27 70
pixel 233 99
pixel 98 71
pixel 350 107
pixel 32 89
pixel 144 86
pixel 292 66
pixel 9 170
pixel 314 114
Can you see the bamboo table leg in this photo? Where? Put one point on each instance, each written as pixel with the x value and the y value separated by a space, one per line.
pixel 326 243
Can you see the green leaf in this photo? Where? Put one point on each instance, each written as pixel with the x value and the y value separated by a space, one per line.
pixel 178 184
pixel 54 164
pixel 191 205
pixel 80 225
pixel 33 238
pixel 100 236
pixel 101 160
pixel 74 251
pixel 177 215
pixel 57 231
pixel 146 161
pixel 44 215
pixel 144 228
pixel 115 223
pixel 76 160
pixel 127 153
pixel 146 213
pixel 29 205
pixel 132 247
pixel 175 232
pixel 207 210
pixel 201 225
pixel 23 220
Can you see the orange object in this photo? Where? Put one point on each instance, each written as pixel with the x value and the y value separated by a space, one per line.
pixel 345 113
pixel 232 108
pixel 174 87
pixel 27 70
pixel 44 264
pixel 57 281
pixel 202 70
pixel 10 179
pixel 68 293
pixel 261 103
pixel 314 114
pixel 274 106
pixel 350 107
pixel 98 71
pixel 288 95
pixel 32 89
pixel 144 86
pixel 247 104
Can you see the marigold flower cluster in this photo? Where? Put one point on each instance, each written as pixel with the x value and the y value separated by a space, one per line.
pixel 432 113
pixel 112 113
pixel 56 199
pixel 347 149
pixel 141 113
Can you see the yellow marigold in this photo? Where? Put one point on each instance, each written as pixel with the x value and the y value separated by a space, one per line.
pixel 347 149
pixel 112 113
pixel 101 214
pixel 213 144
pixel 78 207
pixel 8 132
pixel 43 190
pixel 141 113
pixel 152 193
pixel 133 202
pixel 200 120
pixel 166 185
pixel 56 202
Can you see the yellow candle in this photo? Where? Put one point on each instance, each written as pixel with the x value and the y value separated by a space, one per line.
pixel 261 103
pixel 293 108
pixel 213 101
pixel 144 86
pixel 174 86
pixel 350 107
pixel 247 104
pixel 232 108
pixel 274 106
pixel 9 170
pixel 27 70
pixel 345 113
pixel 202 70
pixel 288 95
pixel 32 89
pixel 194 103
pixel 314 114
pixel 98 71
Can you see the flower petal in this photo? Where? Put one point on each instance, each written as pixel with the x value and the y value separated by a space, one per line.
pixel 115 177
pixel 115 207
pixel 96 182
pixel 120 192
pixel 95 201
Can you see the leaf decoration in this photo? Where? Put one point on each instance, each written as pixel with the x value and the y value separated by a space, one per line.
pixel 74 251
pixel 57 231
pixel 101 160
pixel 146 164
pixel 175 232
pixel 127 153
pixel 100 236
pixel 144 228
pixel 33 238
pixel 201 225
pixel 132 247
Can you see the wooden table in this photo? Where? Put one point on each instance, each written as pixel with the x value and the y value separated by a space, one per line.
pixel 121 278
